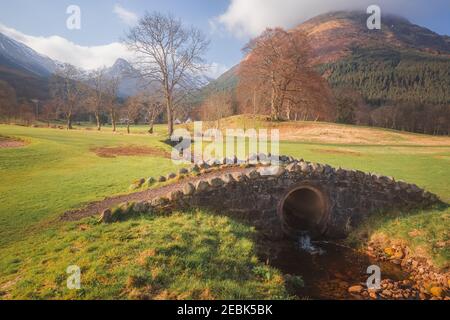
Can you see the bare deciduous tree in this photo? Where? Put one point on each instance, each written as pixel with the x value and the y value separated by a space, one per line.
pixel 111 101
pixel 132 109
pixel 8 101
pixel 96 98
pixel 168 53
pixel 217 106
pixel 49 111
pixel 278 62
pixel 153 107
pixel 252 95
pixel 67 88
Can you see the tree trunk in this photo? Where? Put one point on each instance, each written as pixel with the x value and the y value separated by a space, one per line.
pixel 169 116
pixel 254 103
pixel 97 118
pixel 150 130
pixel 288 111
pixel 69 122
pixel 273 111
pixel 113 120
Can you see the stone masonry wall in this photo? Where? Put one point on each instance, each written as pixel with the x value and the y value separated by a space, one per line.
pixel 255 194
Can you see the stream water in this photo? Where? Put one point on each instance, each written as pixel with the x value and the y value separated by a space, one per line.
pixel 327 268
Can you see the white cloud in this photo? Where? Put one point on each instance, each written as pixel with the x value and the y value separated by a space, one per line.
pixel 61 49
pixel 246 18
pixel 127 17
pixel 85 57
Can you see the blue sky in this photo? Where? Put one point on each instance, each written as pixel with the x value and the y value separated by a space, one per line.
pixel 228 23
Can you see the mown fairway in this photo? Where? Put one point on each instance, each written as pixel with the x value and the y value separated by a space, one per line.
pixel 58 170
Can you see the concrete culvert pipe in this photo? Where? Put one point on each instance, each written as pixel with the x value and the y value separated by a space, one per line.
pixel 304 208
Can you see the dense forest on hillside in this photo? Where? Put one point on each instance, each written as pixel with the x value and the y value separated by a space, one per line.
pixel 391 76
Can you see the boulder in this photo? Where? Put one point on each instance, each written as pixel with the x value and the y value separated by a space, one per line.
pixel 292 167
pixel 212 162
pixel 253 174
pixel 188 189
pixel 175 195
pixel 239 176
pixel 304 167
pixel 356 289
pixel 227 178
pixel 141 207
pixel 275 171
pixel 437 292
pixel 150 181
pixel 106 216
pixel 216 182
pixel 195 169
pixel 137 184
pixel 229 161
pixel 158 202
pixel 202 165
pixel 183 171
pixel 171 176
pixel 387 293
pixel 202 186
pixel 253 158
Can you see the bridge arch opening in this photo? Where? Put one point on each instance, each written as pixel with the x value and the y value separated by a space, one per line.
pixel 303 209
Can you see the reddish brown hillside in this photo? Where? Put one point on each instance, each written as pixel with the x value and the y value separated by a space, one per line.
pixel 333 35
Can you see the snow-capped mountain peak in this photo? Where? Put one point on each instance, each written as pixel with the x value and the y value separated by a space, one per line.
pixel 17 55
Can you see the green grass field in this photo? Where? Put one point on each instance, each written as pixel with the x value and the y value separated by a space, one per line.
pixel 191 255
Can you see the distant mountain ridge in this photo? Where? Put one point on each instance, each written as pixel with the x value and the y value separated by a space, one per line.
pixel 131 81
pixel 402 62
pixel 333 35
pixel 16 55
pixel 28 71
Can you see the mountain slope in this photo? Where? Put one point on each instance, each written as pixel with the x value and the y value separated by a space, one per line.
pixel 226 82
pixel 130 80
pixel 28 72
pixel 401 63
pixel 332 36
pixel 16 55
pixel 24 69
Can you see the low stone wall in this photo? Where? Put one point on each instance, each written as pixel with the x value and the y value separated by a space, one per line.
pixel 256 194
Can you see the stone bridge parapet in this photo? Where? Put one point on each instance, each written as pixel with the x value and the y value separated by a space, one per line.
pixel 289 199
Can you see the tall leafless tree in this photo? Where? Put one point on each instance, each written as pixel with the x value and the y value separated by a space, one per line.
pixel 50 111
pixel 168 53
pixel 217 105
pixel 153 107
pixel 279 61
pixel 8 101
pixel 68 89
pixel 111 99
pixel 97 94
pixel 132 109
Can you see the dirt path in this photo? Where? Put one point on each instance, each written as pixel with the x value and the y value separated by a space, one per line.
pixel 97 207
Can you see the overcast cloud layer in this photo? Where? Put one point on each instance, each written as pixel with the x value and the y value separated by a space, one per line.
pixel 250 17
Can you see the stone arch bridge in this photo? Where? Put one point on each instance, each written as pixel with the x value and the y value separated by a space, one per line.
pixel 289 199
